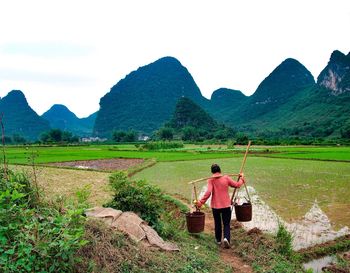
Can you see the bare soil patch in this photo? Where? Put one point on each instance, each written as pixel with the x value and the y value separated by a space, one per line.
pixel 101 164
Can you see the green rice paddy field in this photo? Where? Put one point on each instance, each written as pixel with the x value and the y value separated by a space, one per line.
pixel 289 179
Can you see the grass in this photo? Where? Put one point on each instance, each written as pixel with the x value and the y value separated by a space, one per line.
pixel 111 251
pixel 316 153
pixel 64 183
pixel 289 186
pixel 19 155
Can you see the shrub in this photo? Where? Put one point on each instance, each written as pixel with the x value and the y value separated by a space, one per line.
pixel 159 145
pixel 136 196
pixel 35 237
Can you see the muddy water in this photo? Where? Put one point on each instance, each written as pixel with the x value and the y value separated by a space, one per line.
pixel 314 228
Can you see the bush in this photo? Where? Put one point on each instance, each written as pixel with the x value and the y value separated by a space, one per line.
pixel 35 237
pixel 159 145
pixel 136 196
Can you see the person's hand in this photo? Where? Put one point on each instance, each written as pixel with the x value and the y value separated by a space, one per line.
pixel 197 203
pixel 241 175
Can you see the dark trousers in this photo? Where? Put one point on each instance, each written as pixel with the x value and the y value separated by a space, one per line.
pixel 222 216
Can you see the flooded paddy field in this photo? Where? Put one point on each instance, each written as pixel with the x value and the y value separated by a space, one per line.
pixel 312 198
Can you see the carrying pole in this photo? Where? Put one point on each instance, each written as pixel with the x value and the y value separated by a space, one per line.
pixel 206 178
pixel 241 170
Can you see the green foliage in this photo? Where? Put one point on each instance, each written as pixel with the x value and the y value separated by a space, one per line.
pixel 121 136
pixel 35 237
pixel 263 252
pixel 136 196
pixel 17 139
pixel 284 241
pixel 165 133
pixel 192 123
pixel 58 136
pixel 241 139
pixel 162 145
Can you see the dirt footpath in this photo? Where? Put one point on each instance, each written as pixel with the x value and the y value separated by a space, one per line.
pixel 237 264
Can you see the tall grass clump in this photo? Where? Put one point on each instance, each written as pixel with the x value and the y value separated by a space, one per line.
pixel 162 145
pixel 35 236
pixel 284 241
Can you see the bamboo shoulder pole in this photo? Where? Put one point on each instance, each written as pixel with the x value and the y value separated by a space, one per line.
pixel 241 170
pixel 206 178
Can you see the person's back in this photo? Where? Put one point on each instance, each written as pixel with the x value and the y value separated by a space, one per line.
pixel 220 193
pixel 218 186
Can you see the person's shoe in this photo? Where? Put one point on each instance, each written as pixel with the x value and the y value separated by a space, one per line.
pixel 218 243
pixel 226 243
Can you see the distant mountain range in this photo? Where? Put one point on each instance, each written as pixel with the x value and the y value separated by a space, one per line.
pixel 288 102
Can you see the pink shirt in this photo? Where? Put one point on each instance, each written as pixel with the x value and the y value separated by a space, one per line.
pixel 218 189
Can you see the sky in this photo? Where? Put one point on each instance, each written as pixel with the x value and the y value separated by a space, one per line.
pixel 72 52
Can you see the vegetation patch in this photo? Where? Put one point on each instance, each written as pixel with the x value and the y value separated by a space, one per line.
pixel 265 252
pixel 338 245
pixel 36 236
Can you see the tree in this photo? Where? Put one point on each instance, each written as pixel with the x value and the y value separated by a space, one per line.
pixel 18 139
pixel 118 136
pixel 241 138
pixel 57 135
pixel 165 133
pixel 189 133
pixel 121 136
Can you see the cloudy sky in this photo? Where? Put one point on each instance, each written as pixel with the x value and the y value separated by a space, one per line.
pixel 72 52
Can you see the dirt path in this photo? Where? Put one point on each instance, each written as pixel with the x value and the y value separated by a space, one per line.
pixel 237 264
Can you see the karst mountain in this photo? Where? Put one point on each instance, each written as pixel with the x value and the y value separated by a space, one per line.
pixel 288 102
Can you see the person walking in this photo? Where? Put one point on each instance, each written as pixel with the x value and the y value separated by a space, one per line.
pixel 218 186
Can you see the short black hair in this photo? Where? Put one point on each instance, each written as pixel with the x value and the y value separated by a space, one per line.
pixel 215 168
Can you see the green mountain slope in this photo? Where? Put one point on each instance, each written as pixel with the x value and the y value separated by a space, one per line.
pixel 190 121
pixel 60 117
pixel 19 118
pixel 146 98
pixel 284 82
pixel 289 104
pixel 187 113
pixel 311 113
pixel 224 99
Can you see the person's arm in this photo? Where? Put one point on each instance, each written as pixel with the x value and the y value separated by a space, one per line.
pixel 206 194
pixel 236 184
